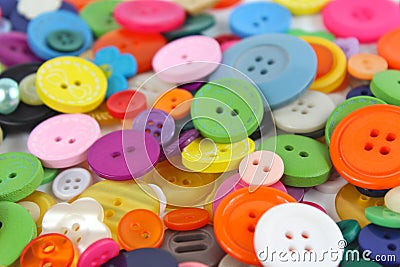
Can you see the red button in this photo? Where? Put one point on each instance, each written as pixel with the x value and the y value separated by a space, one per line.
pixel 126 104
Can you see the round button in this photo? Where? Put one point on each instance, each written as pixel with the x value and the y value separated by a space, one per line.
pixel 9 96
pixel 225 3
pixel 175 148
pixel 149 17
pixel 187 59
pixel 98 253
pixel 392 199
pixel 297 228
pixel 75 35
pixel 387 48
pixel 140 229
pixel 307 114
pixel 17 230
pixel 62 141
pixel 306 160
pixel 365 21
pixel 350 230
pixel 186 219
pixel 31 10
pixel 261 168
pixel 385 86
pixel 227 110
pixel 71 183
pixel 49 175
pixel 32 208
pixel 307 7
pixel 27 90
pixel 296 192
pixel 143 257
pixel 15 50
pixel 51 249
pixel 21 173
pixel 372 193
pixel 344 109
pixel 282 66
pixel 383 217
pixel 175 102
pixel 123 155
pixel 362 90
pixel 236 218
pixel 126 104
pixel 156 123
pixel 194 25
pixel 71 84
pixel 370 159
pixel 265 18
pixel 350 46
pixel 364 66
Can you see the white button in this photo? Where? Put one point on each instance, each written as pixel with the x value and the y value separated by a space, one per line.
pixel 81 221
pixel 31 9
pixel 71 182
pixel 161 198
pixel 228 261
pixel 32 208
pixel 392 199
pixel 307 114
pixel 334 183
pixel 150 85
pixel 296 234
pixel 27 88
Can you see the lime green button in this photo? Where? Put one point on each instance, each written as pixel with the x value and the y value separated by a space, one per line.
pixel 17 229
pixel 307 162
pixel 386 86
pixel 322 34
pixel 383 216
pixel 49 175
pixel 350 230
pixel 344 109
pixel 99 16
pixel 65 40
pixel 227 110
pixel 27 91
pixel 20 175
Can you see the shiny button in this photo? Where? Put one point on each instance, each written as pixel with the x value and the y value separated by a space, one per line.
pixel 392 199
pixel 175 102
pixel 383 217
pixel 126 104
pixel 70 183
pixel 98 253
pixel 387 48
pixel 9 96
pixel 186 219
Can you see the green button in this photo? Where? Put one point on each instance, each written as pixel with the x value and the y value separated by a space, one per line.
pixel 192 26
pixel 17 229
pixel 49 175
pixel 307 162
pixel 383 216
pixel 27 91
pixel 350 230
pixel 227 110
pixel 65 41
pixel 344 109
pixel 20 175
pixel 322 34
pixel 386 86
pixel 99 16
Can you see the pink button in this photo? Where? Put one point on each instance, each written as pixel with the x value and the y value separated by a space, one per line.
pixel 63 141
pixel 192 264
pixel 261 168
pixel 98 253
pixel 365 20
pixel 149 16
pixel 187 59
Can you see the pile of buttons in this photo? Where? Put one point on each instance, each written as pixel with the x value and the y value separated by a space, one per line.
pixel 205 133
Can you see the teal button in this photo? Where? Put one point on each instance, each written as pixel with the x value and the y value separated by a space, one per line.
pixel 65 40
pixel 350 230
pixel 192 26
pixel 9 96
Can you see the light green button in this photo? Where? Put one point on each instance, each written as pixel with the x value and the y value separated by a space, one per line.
pixel 383 216
pixel 322 34
pixel 9 96
pixel 27 90
pixel 307 162
pixel 386 86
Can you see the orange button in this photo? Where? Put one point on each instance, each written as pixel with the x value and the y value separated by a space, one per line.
pixel 388 48
pixel 79 4
pixel 175 102
pixel 126 104
pixel 186 219
pixel 53 250
pixel 365 147
pixel 226 3
pixel 324 59
pixel 364 66
pixel 140 229
pixel 236 218
pixel 142 46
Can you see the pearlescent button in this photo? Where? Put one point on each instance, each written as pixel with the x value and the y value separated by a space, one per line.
pixel 9 96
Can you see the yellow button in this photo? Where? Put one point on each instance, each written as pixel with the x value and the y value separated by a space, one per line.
pixel 336 74
pixel 204 155
pixel 303 7
pixel 71 84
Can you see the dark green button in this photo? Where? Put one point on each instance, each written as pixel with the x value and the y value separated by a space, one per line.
pixel 17 229
pixel 65 41
pixel 49 175
pixel 383 216
pixel 350 230
pixel 20 175
pixel 307 162
pixel 192 26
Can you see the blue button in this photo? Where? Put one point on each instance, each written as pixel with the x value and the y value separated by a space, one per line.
pixel 40 27
pixel 282 66
pixel 7 6
pixel 372 193
pixel 362 90
pixel 144 257
pixel 260 17
pixel 384 244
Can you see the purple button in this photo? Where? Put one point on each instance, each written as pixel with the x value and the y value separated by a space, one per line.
pixel 296 192
pixel 192 86
pixel 350 46
pixel 123 155
pixel 156 123
pixel 14 49
pixel 278 185
pixel 178 145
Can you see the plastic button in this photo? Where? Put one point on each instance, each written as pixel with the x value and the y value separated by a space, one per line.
pixel 265 18
pixel 126 104
pixel 175 102
pixel 63 141
pixel 387 48
pixel 297 228
pixel 194 25
pixel 365 66
pixel 186 219
pixel 31 10
pixel 383 217
pixel 98 253
pixel 282 76
pixel 27 90
pixel 376 165
pixel 196 7
pixel 392 199
pixel 71 183
pixel 385 86
pixel 65 40
pixel 362 90
pixel 149 17
pixel 350 230
pixel 307 7
pixel 9 96
pixel 372 193
pixel 149 257
pixel 140 229
pixel 15 50
pixel 307 114
pixel 236 218
pixel 174 149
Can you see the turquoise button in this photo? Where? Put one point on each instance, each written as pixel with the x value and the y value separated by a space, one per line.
pixel 9 96
pixel 65 40
pixel 350 230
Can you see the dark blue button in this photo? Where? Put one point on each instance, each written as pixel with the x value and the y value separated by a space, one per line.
pixel 144 257
pixel 7 6
pixel 372 193
pixel 362 90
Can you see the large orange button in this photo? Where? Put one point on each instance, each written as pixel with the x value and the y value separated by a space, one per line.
pixel 365 147
pixel 186 219
pixel 236 218
pixel 388 47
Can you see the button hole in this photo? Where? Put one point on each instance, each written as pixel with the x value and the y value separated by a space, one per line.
pixel 259 58
pixel 304 112
pixel 308 249
pixel 303 154
pixel 130 149
pixel 271 62
pixel 57 139
pixel 289 148
pixel 109 213
pixel 368 146
pixel 64 86
pixel 266 169
pixel 68 181
pixel 251 228
pixel 159 126
pixel 117 202
pixel 186 182
pixel 78 239
pixel 145 235
pixel 77 180
pixel 135 226
pixel 305 235
pixel 76 227
pixel 150 123
pixel 223 150
pixel 76 187
pixel 66 188
pixel 71 141
pixel 392 247
pixel 115 155
pixel 390 137
pixel 189 237
pixel 300 103
pixel 12 175
pixel 191 248
pixel 294 109
pixel 255 24
pixel 289 235
pixel 156 134
pixel 386 236
pixel 251 68
pixel 219 110
pixel 310 105
pixel 252 214
pixel 264 18
pixel 173 99
pixel 384 150
pixel 255 162
pixel 364 92
pixel 48 248
pixel 374 133
pixel 148 131
pixel 263 72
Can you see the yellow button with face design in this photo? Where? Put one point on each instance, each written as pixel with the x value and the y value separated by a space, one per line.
pixel 71 84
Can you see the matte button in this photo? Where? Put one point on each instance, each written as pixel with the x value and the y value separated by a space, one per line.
pixel 385 86
pixel 365 66
pixel 65 40
pixel 392 199
pixel 307 7
pixel 146 257
pixel 71 183
pixel 15 49
pixel 27 90
pixel 98 253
